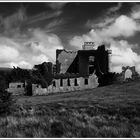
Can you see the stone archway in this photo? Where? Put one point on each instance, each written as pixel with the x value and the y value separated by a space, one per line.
pixel 129 73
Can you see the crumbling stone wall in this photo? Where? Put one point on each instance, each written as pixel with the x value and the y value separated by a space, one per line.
pixel 64 58
pixel 68 84
pixel 17 88
pixel 129 73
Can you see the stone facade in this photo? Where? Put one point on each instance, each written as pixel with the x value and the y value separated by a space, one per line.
pixel 80 62
pixel 66 85
pixel 17 88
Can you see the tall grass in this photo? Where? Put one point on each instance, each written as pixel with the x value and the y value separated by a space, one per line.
pixel 53 121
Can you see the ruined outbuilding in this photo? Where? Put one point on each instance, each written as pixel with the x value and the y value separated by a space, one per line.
pixel 67 85
pixel 17 88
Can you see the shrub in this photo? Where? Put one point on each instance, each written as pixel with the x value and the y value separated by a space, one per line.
pixel 6 102
pixel 57 129
pixel 28 89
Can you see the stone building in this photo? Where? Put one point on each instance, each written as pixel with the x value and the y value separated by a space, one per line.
pixel 83 68
pixel 17 88
pixel 84 62
pixel 67 85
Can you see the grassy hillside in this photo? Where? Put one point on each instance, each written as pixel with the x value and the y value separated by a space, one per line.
pixel 116 95
pixel 111 111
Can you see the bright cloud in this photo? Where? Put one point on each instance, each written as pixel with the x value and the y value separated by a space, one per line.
pixel 109 33
pixel 56 5
pixel 135 14
pixel 8 54
pixel 29 47
pixel 40 47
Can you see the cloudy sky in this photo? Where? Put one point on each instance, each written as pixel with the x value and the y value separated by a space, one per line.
pixel 30 33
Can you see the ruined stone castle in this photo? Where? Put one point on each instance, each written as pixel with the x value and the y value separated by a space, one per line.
pixel 83 66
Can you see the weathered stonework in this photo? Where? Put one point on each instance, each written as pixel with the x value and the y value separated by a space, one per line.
pixel 17 88
pixel 65 59
pixel 81 84
pixel 129 73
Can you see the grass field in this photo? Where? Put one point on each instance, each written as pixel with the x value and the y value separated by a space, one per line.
pixel 111 111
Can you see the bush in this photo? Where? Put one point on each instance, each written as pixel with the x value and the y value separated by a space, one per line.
pixel 107 79
pixel 6 102
pixel 57 129
pixel 28 89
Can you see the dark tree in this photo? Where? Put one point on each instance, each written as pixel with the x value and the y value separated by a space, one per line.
pixel 46 72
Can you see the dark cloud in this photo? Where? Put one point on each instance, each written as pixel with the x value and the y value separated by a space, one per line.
pixel 115 8
pixel 110 30
pixel 31 32
pixel 43 16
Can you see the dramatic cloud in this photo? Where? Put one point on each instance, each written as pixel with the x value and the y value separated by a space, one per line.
pixel 115 8
pixel 54 25
pixel 136 11
pixel 14 23
pixel 48 43
pixel 108 18
pixel 24 41
pixel 43 16
pixel 25 48
pixel 40 47
pixel 11 24
pixel 109 33
pixel 100 24
pixel 123 55
pixel 123 26
pixel 56 5
pixel 7 53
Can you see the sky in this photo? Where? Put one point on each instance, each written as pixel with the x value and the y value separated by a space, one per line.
pixel 31 32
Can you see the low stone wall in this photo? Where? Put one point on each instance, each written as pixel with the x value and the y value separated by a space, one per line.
pixel 66 85
pixel 16 88
pixel 20 91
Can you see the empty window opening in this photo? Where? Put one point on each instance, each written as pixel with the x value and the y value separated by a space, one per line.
pixel 18 86
pixel 86 81
pixel 61 82
pixel 54 84
pixel 91 60
pixel 24 85
pixel 75 82
pixel 68 82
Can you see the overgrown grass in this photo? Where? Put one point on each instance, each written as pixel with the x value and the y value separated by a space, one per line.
pixel 55 120
pixel 112 111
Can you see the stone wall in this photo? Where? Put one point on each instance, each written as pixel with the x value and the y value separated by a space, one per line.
pixel 64 59
pixel 16 88
pixel 129 73
pixel 66 85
